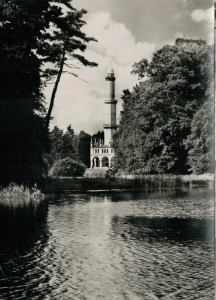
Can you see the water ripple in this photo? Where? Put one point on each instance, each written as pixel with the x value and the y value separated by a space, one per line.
pixel 102 247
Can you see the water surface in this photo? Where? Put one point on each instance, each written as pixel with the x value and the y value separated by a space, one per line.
pixel 156 245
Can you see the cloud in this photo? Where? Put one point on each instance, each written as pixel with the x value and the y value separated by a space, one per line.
pixel 81 104
pixel 200 15
pixel 207 16
pixel 115 40
pixel 184 3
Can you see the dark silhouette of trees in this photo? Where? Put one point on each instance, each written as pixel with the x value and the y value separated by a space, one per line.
pixel 69 145
pixel 81 145
pixel 22 136
pixel 67 142
pixel 33 35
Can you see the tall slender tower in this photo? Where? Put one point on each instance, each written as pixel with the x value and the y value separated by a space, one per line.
pixel 101 152
pixel 110 126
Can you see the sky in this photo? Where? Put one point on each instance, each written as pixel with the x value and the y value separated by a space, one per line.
pixel 127 31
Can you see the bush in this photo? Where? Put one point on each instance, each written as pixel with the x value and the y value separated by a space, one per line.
pixel 67 167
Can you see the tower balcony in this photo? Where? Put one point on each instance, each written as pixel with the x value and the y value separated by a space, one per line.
pixel 110 126
pixel 110 77
pixel 110 101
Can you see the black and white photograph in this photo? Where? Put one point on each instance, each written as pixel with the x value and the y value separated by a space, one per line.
pixel 107 150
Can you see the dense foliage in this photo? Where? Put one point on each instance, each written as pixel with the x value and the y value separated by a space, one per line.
pixel 98 137
pixel 67 167
pixel 34 34
pixel 22 134
pixel 81 144
pixel 200 143
pixel 61 143
pixel 69 144
pixel 162 126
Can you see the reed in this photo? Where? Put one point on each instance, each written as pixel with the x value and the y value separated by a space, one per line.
pixel 100 181
pixel 15 194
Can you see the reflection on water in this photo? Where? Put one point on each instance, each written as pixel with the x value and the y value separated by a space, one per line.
pixel 155 245
pixel 21 225
pixel 174 229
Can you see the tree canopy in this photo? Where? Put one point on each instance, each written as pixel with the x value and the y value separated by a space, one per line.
pixel 69 145
pixel 81 145
pixel 157 116
pixel 63 44
pixel 67 167
pixel 22 135
pixel 33 34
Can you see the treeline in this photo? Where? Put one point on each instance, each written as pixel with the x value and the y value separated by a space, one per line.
pixel 40 40
pixel 68 144
pixel 167 123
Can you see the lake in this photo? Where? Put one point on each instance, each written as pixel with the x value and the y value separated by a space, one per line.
pixel 125 245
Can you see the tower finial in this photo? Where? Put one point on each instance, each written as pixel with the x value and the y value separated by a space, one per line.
pixel 110 70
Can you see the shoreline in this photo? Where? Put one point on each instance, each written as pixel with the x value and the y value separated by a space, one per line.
pixel 122 184
pixel 129 190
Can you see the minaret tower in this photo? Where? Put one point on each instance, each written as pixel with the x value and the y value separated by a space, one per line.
pixel 101 152
pixel 110 126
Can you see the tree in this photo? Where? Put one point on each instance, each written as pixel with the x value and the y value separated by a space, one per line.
pixel 22 135
pixel 67 143
pixel 200 143
pixel 56 139
pixel 98 137
pixel 82 147
pixel 67 167
pixel 158 112
pixel 33 33
pixel 63 44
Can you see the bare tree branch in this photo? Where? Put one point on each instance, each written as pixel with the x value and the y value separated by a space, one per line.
pixel 71 66
pixel 75 76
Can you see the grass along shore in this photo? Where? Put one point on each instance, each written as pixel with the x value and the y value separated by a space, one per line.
pixel 15 194
pixel 100 182
pixel 18 194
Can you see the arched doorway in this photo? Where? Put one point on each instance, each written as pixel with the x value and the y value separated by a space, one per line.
pixel 112 161
pixel 96 162
pixel 105 161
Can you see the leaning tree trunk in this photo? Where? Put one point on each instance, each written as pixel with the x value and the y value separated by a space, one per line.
pixel 48 117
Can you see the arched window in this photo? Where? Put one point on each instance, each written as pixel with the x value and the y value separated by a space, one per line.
pixel 96 162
